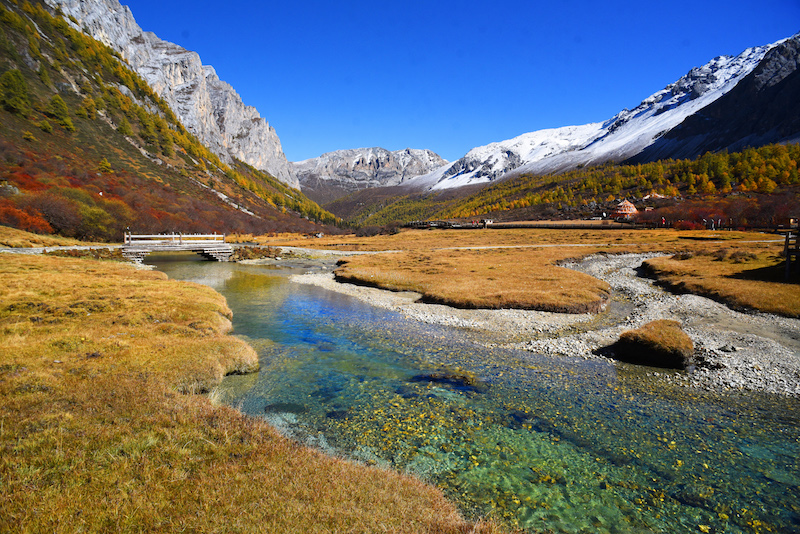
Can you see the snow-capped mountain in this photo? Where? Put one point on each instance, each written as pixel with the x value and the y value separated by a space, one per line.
pixel 763 108
pixel 207 106
pixel 617 139
pixel 339 173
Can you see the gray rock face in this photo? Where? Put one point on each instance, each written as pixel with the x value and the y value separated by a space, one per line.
pixel 339 173
pixel 207 106
pixel 779 64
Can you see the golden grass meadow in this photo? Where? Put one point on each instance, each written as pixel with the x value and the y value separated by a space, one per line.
pixel 102 428
pixel 518 268
pixel 494 279
pixel 101 432
pixel 744 280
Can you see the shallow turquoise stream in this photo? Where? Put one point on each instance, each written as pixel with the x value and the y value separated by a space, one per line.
pixel 560 445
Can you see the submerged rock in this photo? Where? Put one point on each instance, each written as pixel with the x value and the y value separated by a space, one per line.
pixel 458 381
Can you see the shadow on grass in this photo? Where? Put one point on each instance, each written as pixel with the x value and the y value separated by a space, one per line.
pixel 774 273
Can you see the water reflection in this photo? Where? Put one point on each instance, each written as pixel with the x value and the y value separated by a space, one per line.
pixel 558 444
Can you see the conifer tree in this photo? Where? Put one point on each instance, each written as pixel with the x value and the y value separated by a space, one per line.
pixel 104 166
pixel 14 92
pixel 89 107
pixel 59 111
pixel 125 127
pixel 44 75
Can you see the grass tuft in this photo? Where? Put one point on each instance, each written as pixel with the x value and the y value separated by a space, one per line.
pixel 659 343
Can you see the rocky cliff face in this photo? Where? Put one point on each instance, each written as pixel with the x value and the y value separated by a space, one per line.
pixel 339 173
pixel 208 107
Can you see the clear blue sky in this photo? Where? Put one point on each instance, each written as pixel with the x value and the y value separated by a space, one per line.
pixel 449 76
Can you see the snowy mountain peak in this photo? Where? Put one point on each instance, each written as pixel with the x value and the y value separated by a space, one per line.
pixel 713 79
pixel 619 138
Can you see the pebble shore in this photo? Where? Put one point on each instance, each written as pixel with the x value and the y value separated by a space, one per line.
pixel 733 350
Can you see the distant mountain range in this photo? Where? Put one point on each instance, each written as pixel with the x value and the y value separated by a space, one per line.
pixel 339 173
pixel 729 103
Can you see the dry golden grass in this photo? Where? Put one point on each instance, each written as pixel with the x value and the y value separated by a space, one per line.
pixel 659 343
pixel 96 436
pixel 750 279
pixel 13 238
pixel 435 239
pixel 492 278
pixel 437 264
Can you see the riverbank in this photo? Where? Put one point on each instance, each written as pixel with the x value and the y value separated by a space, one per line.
pixel 734 350
pixel 101 430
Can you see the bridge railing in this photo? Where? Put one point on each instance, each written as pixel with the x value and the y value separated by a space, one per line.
pixel 174 239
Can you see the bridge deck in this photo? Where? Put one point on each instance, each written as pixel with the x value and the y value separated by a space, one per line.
pixel 210 246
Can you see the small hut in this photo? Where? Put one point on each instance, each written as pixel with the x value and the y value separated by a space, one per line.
pixel 624 210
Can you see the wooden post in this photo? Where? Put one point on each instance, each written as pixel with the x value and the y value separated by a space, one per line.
pixel 791 250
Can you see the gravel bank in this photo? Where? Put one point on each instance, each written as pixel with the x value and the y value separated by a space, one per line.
pixel 500 322
pixel 733 350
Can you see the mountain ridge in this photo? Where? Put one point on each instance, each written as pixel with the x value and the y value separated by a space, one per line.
pixel 341 172
pixel 89 149
pixel 207 106
pixel 761 109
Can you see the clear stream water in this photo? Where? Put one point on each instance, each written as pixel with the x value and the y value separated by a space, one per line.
pixel 548 444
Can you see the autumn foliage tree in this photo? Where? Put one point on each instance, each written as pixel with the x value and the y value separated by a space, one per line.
pixel 58 110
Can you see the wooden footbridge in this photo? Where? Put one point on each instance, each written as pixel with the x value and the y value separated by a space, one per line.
pixel 210 246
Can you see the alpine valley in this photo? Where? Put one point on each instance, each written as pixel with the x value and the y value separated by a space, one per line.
pixel 106 126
